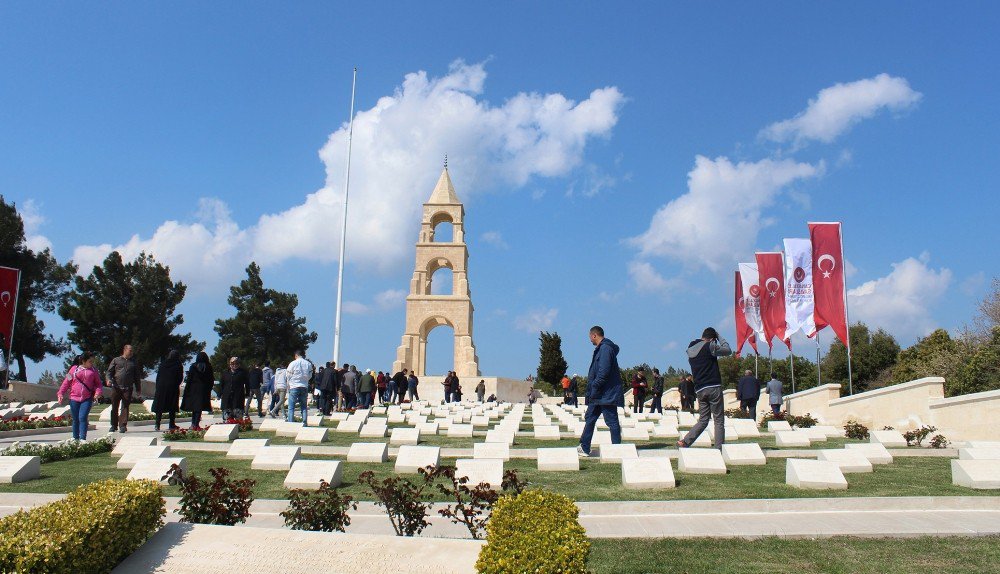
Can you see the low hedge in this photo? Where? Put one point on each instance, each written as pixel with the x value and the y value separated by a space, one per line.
pixel 90 531
pixel 64 450
pixel 535 532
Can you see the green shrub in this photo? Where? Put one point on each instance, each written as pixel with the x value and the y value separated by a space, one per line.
pixel 221 501
pixel 917 436
pixel 854 429
pixel 64 450
pixel 939 441
pixel 322 510
pixel 535 532
pixel 91 530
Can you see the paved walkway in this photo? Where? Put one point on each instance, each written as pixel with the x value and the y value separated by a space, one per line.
pixel 785 518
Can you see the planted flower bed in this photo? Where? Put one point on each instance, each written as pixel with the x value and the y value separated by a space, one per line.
pixel 31 423
pixel 63 450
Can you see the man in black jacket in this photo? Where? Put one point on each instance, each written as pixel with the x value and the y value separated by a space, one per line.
pixel 234 388
pixel 255 382
pixel 686 389
pixel 329 386
pixel 657 391
pixel 748 392
pixel 703 356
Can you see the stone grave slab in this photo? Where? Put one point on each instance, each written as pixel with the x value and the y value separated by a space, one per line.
pixel 983 444
pixel 307 474
pixel 746 428
pixel 494 450
pixel 287 429
pixel 269 424
pixel 982 453
pixel 635 433
pixel 315 420
pixel 155 468
pixel 126 442
pixel 557 459
pixel 615 453
pixel 368 452
pixel 639 473
pixel 848 460
pixel 404 435
pixel 703 440
pixel 790 439
pixel 600 438
pixel 376 430
pixel 276 458
pixel 977 474
pixel 478 471
pixel 202 548
pixel 105 415
pixel 686 419
pixel 460 430
pixel 480 421
pixel 875 453
pixel 665 431
pixel 428 429
pixel 411 458
pixel 19 468
pixel 813 434
pixel 700 461
pixel 775 426
pixel 500 436
pixel 731 434
pixel 337 417
pixel 135 453
pixel 546 432
pixel 148 405
pixel 222 433
pixel 888 438
pixel 744 454
pixel 312 435
pixel 814 474
pixel 350 426
pixel 246 448
pixel 830 431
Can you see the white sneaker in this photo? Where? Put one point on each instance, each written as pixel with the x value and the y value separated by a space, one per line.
pixel 581 453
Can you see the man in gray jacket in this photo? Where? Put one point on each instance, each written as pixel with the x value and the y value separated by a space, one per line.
pixel 123 375
pixel 774 391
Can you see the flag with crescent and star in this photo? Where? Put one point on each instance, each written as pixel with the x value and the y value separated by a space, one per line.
pixel 10 281
pixel 771 269
pixel 829 281
pixel 744 332
pixel 799 287
pixel 751 300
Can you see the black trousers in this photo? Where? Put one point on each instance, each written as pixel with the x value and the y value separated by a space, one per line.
pixel 657 404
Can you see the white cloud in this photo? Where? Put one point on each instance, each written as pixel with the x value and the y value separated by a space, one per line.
pixel 33 220
pixel 716 222
pixel 390 299
pixel 355 308
pixel 901 302
pixel 398 147
pixel 495 239
pixel 837 108
pixel 670 346
pixel 647 279
pixel 536 320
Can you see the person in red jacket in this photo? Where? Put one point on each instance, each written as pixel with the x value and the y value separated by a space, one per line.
pixel 82 384
pixel 639 386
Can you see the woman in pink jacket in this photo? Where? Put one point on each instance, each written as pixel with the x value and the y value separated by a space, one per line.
pixel 83 383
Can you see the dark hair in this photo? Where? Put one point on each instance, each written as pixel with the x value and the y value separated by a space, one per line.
pixel 657 371
pixel 85 356
pixel 709 333
pixel 202 358
pixel 597 329
pixel 267 364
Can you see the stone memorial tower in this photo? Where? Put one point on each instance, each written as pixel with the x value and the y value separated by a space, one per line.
pixel 425 311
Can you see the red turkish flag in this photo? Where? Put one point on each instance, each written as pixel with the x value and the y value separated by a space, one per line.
pixel 771 269
pixel 744 332
pixel 10 280
pixel 829 280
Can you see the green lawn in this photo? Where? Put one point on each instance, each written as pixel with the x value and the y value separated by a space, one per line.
pixel 842 555
pixel 594 482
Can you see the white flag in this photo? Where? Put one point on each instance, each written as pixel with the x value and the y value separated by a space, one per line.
pixel 799 299
pixel 751 297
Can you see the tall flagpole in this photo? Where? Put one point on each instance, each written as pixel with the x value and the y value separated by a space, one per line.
pixel 343 229
pixel 847 314
pixel 819 374
pixel 791 362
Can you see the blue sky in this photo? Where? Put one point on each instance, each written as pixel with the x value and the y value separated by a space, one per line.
pixel 616 161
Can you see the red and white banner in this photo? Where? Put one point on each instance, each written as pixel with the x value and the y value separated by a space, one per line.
pixel 799 300
pixel 771 268
pixel 10 281
pixel 751 299
pixel 744 333
pixel 829 281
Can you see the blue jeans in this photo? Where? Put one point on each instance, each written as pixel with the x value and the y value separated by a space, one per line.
pixel 81 417
pixel 366 399
pixel 298 395
pixel 594 412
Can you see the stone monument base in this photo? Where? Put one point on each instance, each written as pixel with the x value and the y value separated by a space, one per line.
pixel 506 390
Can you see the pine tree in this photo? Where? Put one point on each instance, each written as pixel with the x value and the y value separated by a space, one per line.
pixel 551 363
pixel 265 326
pixel 131 303
pixel 44 282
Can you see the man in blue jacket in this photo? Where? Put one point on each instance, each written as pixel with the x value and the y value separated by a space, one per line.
pixel 604 391
pixel 748 393
pixel 703 356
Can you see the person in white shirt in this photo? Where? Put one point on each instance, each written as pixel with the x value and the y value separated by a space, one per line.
pixel 278 394
pixel 298 374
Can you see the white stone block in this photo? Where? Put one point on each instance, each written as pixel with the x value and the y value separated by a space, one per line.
pixel 135 453
pixel 875 453
pixel 983 444
pixel 775 426
pixel 888 438
pixel 494 450
pixel 743 454
pixel 19 468
pixel 812 434
pixel 700 461
pixel 350 426
pixel 639 473
pixel 790 439
pixel 686 419
pixel 312 435
pixel 269 424
pixel 665 431
pixel 480 421
pixel 460 430
pixel 368 452
pixel 977 474
pixel 500 436
pixel 731 434
pixel 746 428
pixel 315 420
pixel 105 415
pixel 547 433
pixel 155 468
pixel 126 442
pixel 615 453
pixel 479 471
pixel 557 459
pixel 307 474
pixel 830 431
pixel 428 429
pixel 814 474
pixel 148 404
pixel 222 433
pixel 287 429
pixel 635 433
pixel 374 430
pixel 246 448
pixel 405 435
pixel 979 453
pixel 847 459
pixel 411 458
pixel 276 458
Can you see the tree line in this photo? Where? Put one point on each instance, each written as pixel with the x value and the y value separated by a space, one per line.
pixel 135 302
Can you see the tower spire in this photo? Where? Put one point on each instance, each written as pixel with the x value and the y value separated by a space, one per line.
pixel 446 161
